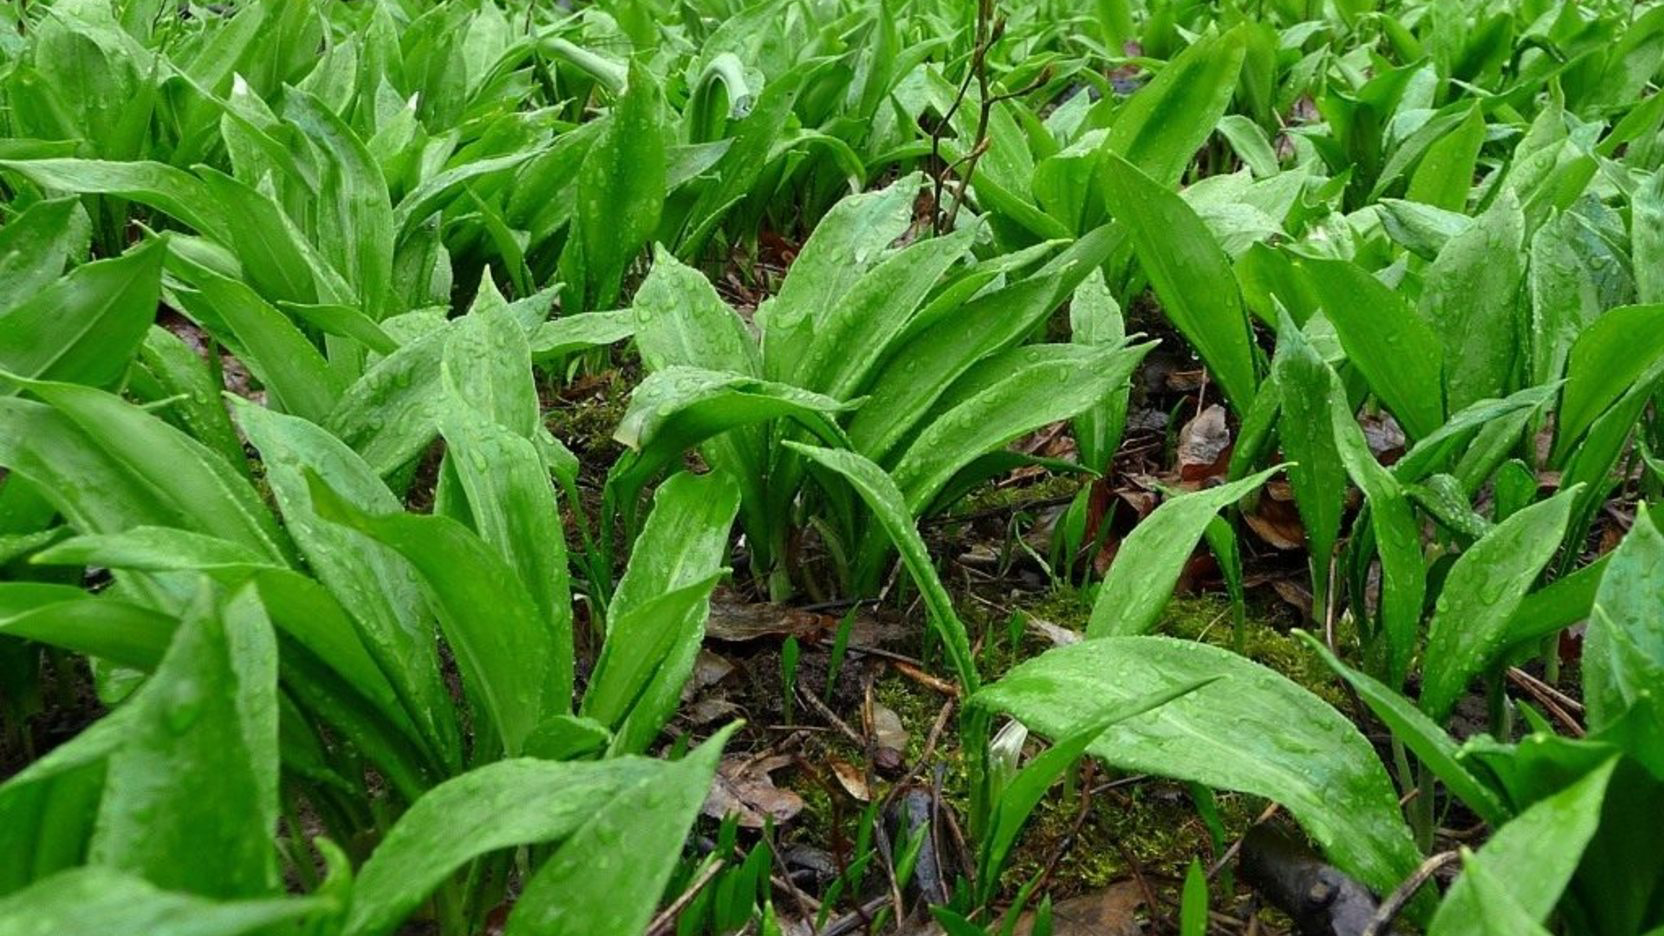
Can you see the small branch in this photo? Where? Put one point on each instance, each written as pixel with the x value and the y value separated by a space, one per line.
pixel 1381 923
pixel 667 917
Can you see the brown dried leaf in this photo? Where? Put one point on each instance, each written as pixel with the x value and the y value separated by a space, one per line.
pixel 743 787
pixel 1205 445
pixel 1112 911
pixel 853 779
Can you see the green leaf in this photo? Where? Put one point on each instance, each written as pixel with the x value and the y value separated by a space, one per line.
pixel 1471 297
pixel 268 343
pixel 1006 396
pixel 659 608
pixel 854 237
pixel 1398 354
pixel 1647 238
pixel 163 187
pixel 502 645
pixel 1250 730
pixel 1191 275
pixel 889 510
pixel 1623 648
pixel 1608 357
pixel 124 633
pixel 190 797
pixel 34 246
pixel 1420 734
pixel 1306 387
pixel 1446 171
pixel 1024 791
pixel 621 190
pixel 1481 592
pixel 85 327
pixel 99 900
pixel 367 578
pixel 501 805
pixel 1498 913
pixel 930 359
pixel 1534 856
pixel 677 408
pixel 389 415
pixel 1397 536
pixel 179 482
pixel 609 875
pixel 1161 127
pixel 1193 905
pixel 580 332
pixel 354 217
pixel 1095 319
pixel 1148 564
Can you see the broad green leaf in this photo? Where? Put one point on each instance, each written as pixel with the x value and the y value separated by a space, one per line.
pixel 1095 319
pixel 111 903
pixel 184 377
pixel 1024 792
pixel 677 408
pixel 1398 354
pixel 1471 298
pixel 85 327
pixel 1161 127
pixel 1623 648
pixel 353 214
pixel 190 796
pixel 1608 357
pixel 34 246
pixel 1397 536
pixel 1496 910
pixel 681 551
pixel 180 482
pixel 389 415
pixel 930 359
pixel 1250 144
pixel 1564 298
pixel 124 633
pixel 367 578
pixel 1305 427
pixel 49 808
pixel 1446 171
pixel 580 332
pixel 1647 239
pixel 173 191
pixel 681 321
pixel 1250 730
pixel 503 646
pixel 274 350
pixel 1420 734
pixel 609 875
pixel 1147 565
pixel 1432 452
pixel 889 510
pixel 858 328
pixel 1191 275
pixel 1008 395
pixel 621 189
pixel 1480 593
pixel 487 364
pixel 1534 855
pixel 503 805
pixel 854 237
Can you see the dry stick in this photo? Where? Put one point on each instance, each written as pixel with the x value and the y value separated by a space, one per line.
pixel 666 917
pixel 1396 901
pixel 1236 846
pixel 1068 843
pixel 826 712
pixel 1547 702
pixel 849 921
pixel 1527 680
